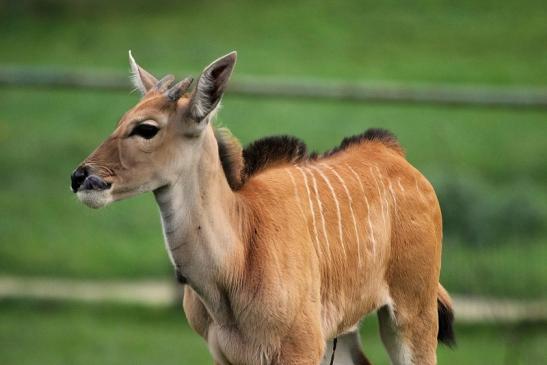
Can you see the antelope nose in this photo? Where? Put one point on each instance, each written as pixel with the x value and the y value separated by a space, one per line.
pixel 78 177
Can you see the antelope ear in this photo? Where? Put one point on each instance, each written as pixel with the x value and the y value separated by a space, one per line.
pixel 211 85
pixel 141 79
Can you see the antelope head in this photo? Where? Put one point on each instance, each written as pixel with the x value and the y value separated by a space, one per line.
pixel 157 141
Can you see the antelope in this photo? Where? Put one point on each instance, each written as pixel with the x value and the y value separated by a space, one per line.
pixel 280 251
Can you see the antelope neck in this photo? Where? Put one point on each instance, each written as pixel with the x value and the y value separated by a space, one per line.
pixel 201 225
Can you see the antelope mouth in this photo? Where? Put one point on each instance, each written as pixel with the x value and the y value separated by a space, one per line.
pixel 93 182
pixel 95 192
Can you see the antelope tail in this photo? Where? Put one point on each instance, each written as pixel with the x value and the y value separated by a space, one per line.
pixel 446 317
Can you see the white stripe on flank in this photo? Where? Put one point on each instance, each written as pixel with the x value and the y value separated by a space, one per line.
pixel 296 195
pixel 320 210
pixel 316 242
pixel 383 188
pixel 350 209
pixel 371 229
pixel 392 195
pixel 333 193
pixel 382 199
pixel 418 190
pixel 400 185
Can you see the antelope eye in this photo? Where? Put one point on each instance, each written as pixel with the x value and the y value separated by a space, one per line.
pixel 146 131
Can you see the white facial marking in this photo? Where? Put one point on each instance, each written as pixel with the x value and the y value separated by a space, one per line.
pixel 94 198
pixel 316 242
pixel 337 204
pixel 350 202
pixel 320 204
pixel 371 229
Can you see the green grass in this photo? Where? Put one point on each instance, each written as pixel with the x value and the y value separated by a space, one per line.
pixel 45 134
pixel 52 333
pixel 48 333
pixel 46 231
pixel 516 270
pixel 419 41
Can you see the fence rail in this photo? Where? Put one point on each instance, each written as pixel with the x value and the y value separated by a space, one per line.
pixel 340 91
pixel 165 293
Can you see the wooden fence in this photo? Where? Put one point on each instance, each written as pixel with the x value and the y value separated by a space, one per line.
pixel 166 293
pixel 340 91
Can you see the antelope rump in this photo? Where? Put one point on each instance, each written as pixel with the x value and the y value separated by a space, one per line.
pixel 280 251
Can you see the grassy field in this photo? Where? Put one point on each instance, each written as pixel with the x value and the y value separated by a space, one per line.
pixel 134 335
pixel 423 41
pixel 47 232
pixel 488 165
pixel 493 160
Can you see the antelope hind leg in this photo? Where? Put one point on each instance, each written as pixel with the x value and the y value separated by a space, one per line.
pixel 409 336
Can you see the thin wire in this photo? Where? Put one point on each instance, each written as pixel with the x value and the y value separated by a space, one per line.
pixel 333 350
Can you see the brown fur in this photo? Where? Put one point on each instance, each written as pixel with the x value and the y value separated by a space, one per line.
pixel 241 164
pixel 283 251
pixel 231 157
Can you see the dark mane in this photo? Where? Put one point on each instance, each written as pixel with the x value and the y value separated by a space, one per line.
pixel 373 134
pixel 240 165
pixel 231 157
pixel 271 151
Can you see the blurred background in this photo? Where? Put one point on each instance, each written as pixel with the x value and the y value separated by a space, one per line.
pixel 462 84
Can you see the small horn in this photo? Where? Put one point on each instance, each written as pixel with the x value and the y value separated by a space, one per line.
pixel 165 83
pixel 180 88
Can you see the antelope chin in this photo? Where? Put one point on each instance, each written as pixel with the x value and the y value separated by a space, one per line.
pixel 95 198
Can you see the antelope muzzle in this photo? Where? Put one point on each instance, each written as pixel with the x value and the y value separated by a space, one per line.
pixel 82 179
